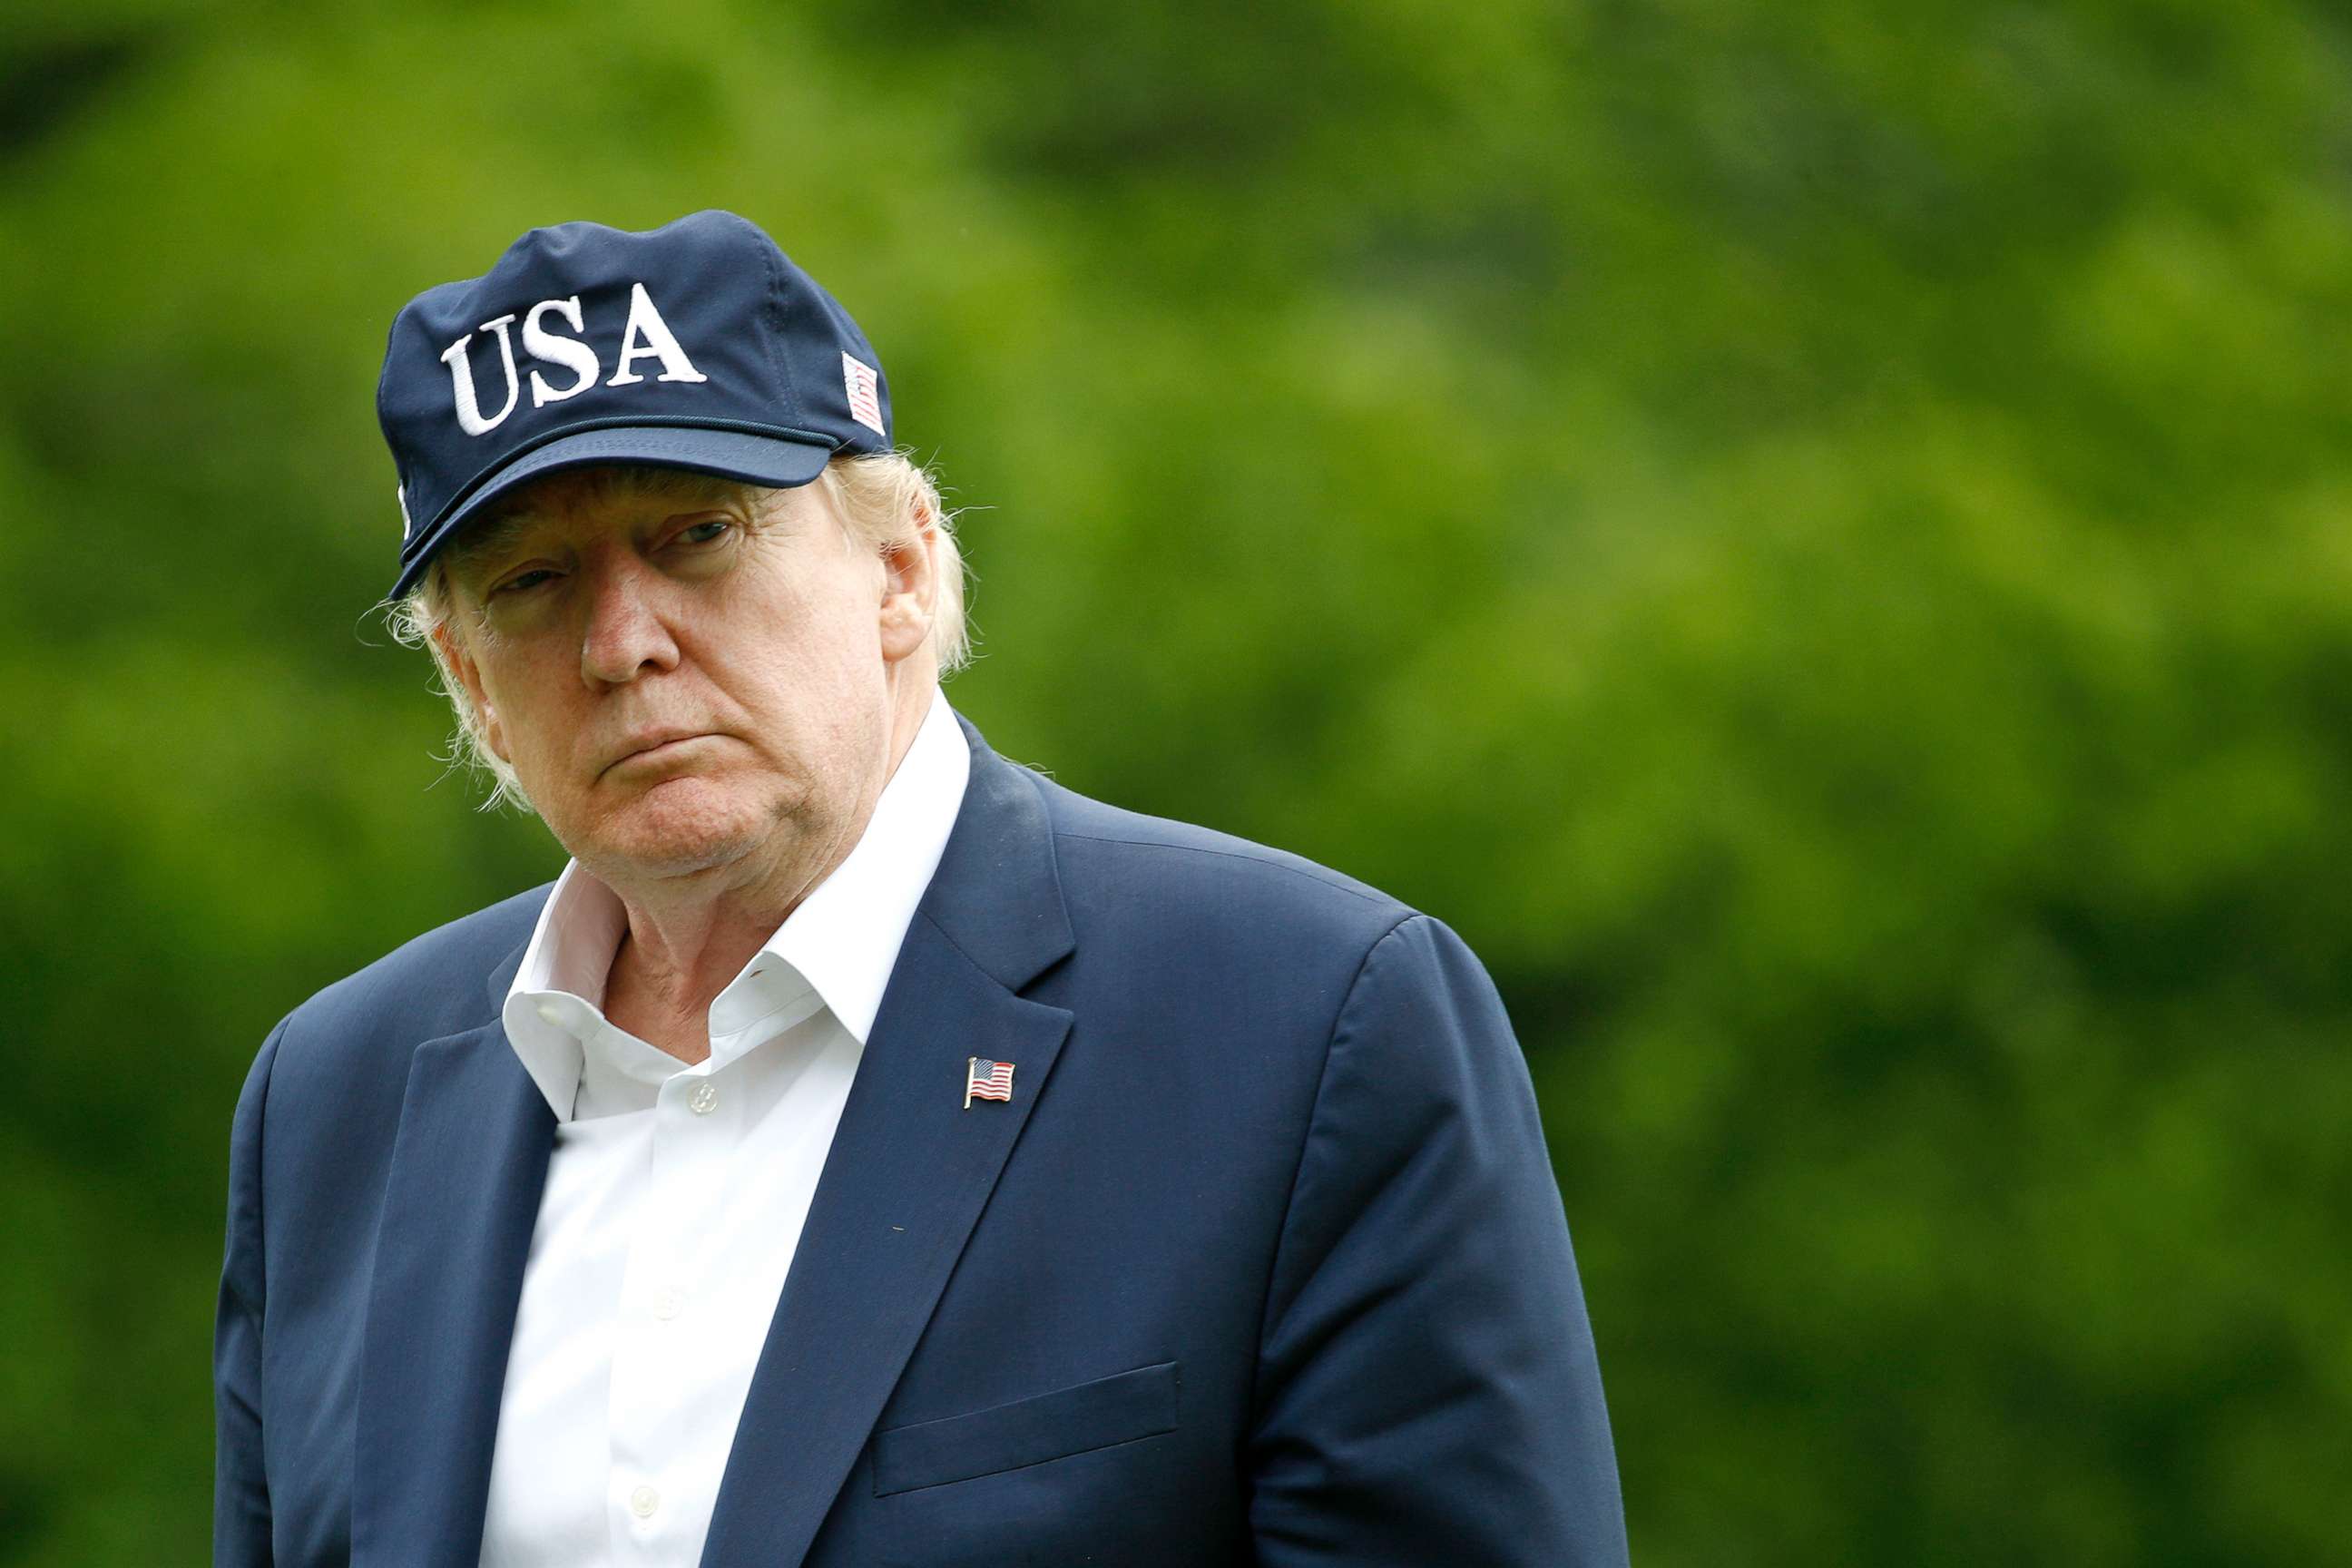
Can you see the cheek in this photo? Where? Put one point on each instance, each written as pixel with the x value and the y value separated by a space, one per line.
pixel 815 697
pixel 529 726
pixel 815 648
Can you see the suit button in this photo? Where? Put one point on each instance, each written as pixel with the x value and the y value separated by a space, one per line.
pixel 702 1097
pixel 643 1501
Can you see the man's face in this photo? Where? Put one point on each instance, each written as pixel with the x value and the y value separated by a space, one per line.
pixel 685 684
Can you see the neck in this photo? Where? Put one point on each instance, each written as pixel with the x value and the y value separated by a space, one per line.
pixel 684 945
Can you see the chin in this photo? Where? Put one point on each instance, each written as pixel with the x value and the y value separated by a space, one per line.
pixel 675 827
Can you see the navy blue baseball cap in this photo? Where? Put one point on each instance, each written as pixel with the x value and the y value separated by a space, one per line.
pixel 696 345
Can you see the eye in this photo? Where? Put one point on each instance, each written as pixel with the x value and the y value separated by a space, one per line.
pixel 521 582
pixel 687 535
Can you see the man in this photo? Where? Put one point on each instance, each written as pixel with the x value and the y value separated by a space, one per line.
pixel 866 1151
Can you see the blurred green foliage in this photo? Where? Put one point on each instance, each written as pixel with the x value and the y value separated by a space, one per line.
pixel 1815 535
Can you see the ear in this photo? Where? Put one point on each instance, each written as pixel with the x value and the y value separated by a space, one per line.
pixel 910 587
pixel 469 675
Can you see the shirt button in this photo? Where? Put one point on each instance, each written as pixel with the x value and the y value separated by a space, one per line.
pixel 667 1305
pixel 551 1013
pixel 702 1097
pixel 643 1501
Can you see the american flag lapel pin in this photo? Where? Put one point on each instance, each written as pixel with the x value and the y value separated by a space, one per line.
pixel 985 1079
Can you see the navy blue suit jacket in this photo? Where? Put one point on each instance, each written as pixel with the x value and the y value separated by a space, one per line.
pixel 1263 1261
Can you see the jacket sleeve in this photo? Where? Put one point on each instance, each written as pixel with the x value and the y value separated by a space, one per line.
pixel 240 1487
pixel 1427 1387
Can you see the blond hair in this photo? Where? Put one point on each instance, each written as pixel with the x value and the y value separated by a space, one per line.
pixel 882 499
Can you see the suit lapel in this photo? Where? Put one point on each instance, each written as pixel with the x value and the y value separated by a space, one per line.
pixel 904 1183
pixel 459 1205
pixel 909 1169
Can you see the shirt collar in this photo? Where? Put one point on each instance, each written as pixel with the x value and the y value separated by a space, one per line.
pixel 835 950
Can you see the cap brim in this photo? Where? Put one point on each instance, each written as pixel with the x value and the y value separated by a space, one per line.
pixel 728 454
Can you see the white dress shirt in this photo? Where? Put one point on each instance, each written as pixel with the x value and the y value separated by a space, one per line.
pixel 675 1194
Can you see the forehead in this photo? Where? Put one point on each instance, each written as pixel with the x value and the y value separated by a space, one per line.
pixel 583 489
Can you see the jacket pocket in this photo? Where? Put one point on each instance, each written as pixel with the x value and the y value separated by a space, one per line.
pixel 1114 1409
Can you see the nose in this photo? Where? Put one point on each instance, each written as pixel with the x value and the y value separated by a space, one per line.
pixel 626 635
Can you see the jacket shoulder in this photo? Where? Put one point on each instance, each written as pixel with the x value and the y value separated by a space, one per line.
pixel 1108 849
pixel 435 983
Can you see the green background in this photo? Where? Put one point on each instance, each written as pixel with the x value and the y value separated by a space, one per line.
pixel 1817 535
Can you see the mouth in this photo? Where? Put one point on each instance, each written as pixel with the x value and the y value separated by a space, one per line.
pixel 658 749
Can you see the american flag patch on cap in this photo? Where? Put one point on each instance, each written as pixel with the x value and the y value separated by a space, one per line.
pixel 864 407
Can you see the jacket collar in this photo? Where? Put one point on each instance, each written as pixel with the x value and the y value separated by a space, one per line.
pixel 882 1234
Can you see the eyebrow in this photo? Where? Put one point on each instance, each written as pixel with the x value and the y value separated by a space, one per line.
pixel 486 537
pixel 502 525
